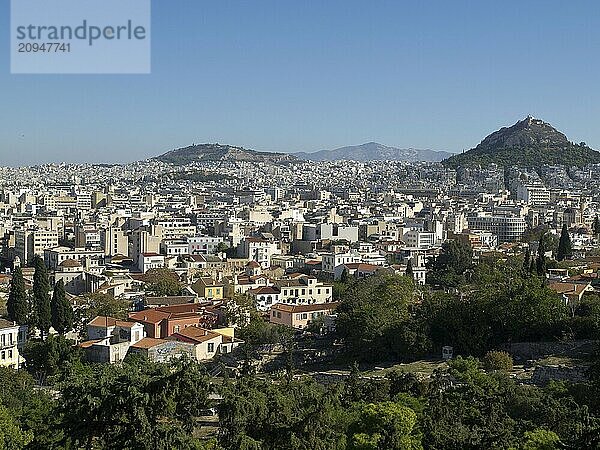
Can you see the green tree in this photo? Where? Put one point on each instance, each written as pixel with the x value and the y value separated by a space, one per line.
pixel 497 360
pixel 101 405
pixel 409 268
pixel 32 409
pixel 62 310
pixel 385 425
pixel 370 313
pixel 263 415
pixel 12 437
pixel 222 247
pixel 540 439
pixel 596 225
pixel 540 263
pixel 565 247
pixel 41 297
pixel 450 267
pixel 18 304
pixel 46 358
pixel 344 275
pixel 163 282
pixel 527 260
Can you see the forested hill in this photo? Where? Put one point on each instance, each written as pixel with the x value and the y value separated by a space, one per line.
pixel 528 143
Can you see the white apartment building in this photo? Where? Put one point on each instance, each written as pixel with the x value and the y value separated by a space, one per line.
pixel 149 261
pixel 508 228
pixel 89 259
pixel 330 231
pixel 32 242
pixel 173 247
pixel 533 194
pixel 12 338
pixel 176 227
pixel 203 245
pixel 330 261
pixel 419 239
pixel 259 250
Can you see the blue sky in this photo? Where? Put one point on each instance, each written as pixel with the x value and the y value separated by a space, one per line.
pixel 308 75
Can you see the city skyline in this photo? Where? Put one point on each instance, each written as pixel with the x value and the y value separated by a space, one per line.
pixel 305 78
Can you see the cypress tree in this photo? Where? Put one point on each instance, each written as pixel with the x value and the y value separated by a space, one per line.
pixel 41 296
pixel 527 260
pixel 409 269
pixel 596 225
pixel 565 247
pixel 532 266
pixel 18 304
pixel 62 311
pixel 540 262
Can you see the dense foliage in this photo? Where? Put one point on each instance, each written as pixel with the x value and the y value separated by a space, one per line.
pixel 163 282
pixel 387 317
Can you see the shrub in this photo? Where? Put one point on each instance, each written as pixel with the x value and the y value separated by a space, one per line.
pixel 497 360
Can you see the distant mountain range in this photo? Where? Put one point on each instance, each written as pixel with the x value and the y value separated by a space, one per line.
pixel 528 143
pixel 372 151
pixel 218 152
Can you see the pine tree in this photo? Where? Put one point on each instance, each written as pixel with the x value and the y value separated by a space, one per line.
pixel 565 247
pixel 18 304
pixel 62 311
pixel 41 297
pixel 596 225
pixel 409 269
pixel 527 260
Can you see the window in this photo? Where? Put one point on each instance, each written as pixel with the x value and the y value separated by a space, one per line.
pixel 3 355
pixel 274 314
pixel 304 316
pixel 10 354
pixel 176 329
pixel 211 347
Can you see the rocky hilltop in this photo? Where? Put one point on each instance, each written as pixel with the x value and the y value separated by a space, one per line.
pixel 529 143
pixel 219 152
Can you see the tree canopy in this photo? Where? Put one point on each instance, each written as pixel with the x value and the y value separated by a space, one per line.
pixel 18 302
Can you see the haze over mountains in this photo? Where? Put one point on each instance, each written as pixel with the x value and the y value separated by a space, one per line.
pixel 373 151
pixel 528 143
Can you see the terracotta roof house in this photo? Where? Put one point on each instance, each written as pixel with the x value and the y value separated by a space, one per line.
pixel 163 321
pixel 299 316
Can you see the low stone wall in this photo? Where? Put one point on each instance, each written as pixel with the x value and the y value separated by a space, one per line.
pixel 544 374
pixel 537 350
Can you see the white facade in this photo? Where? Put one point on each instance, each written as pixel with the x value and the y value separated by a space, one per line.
pixel 12 338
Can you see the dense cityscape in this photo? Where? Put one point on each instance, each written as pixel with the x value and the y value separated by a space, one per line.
pixel 283 225
pixel 218 298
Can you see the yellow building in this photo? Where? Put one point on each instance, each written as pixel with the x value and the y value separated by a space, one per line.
pixel 208 288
